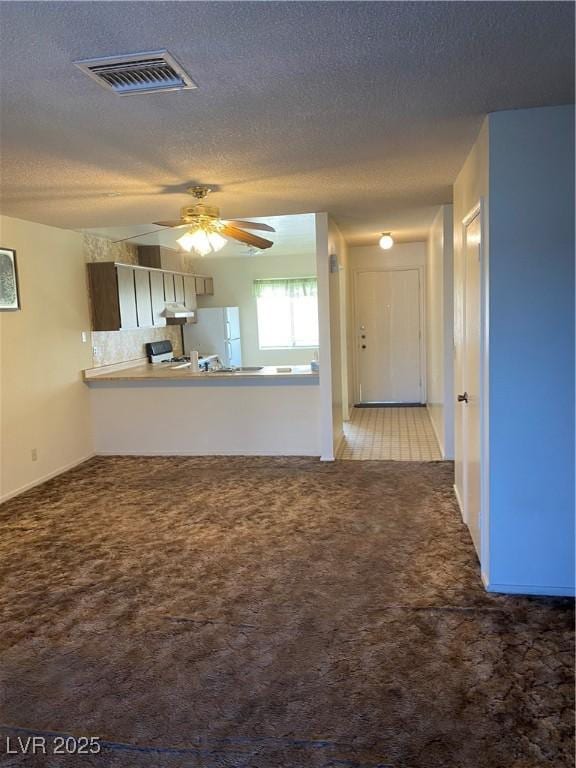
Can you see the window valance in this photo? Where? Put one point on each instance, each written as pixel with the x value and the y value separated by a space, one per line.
pixel 291 287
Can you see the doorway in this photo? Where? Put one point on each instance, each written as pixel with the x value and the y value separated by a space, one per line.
pixel 389 336
pixel 468 370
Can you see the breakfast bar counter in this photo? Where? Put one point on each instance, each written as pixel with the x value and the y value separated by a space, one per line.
pixel 162 409
pixel 174 372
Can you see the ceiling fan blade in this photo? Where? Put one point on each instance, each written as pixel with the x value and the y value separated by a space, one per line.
pixel 140 234
pixel 251 225
pixel 245 237
pixel 174 223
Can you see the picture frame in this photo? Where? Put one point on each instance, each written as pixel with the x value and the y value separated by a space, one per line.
pixel 9 290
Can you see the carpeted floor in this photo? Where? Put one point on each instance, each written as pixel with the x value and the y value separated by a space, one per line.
pixel 270 613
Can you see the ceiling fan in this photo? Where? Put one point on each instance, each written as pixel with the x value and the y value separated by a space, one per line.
pixel 206 232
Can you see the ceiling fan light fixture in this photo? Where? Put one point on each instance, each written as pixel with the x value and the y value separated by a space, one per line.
pixel 386 241
pixel 195 241
pixel 202 241
pixel 216 241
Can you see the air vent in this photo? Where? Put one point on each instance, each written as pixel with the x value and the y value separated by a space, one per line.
pixel 150 72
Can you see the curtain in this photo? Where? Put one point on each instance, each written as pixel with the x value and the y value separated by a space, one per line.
pixel 292 287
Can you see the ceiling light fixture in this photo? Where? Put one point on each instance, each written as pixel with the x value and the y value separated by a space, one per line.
pixel 203 239
pixel 386 241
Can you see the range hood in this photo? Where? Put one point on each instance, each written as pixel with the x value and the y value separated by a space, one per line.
pixel 178 312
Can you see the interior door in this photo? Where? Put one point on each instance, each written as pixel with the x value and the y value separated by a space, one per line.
pixel 388 336
pixel 468 422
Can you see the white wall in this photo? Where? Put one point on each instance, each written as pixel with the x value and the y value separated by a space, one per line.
pixel 372 257
pixel 400 255
pixel 532 350
pixel 440 330
pixel 233 287
pixel 43 402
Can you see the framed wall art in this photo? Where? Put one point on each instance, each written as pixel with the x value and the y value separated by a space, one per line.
pixel 9 295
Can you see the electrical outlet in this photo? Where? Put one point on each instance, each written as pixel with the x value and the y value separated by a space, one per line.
pixel 34 454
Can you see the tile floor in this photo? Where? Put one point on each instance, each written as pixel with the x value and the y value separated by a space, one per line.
pixel 391 434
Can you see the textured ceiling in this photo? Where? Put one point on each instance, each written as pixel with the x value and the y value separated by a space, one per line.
pixel 364 110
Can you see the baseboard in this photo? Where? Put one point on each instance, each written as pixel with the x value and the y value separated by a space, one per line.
pixel 386 404
pixel 436 435
pixel 459 500
pixel 45 478
pixel 307 454
pixel 529 589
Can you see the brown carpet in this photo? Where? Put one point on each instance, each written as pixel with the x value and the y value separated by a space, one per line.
pixel 270 613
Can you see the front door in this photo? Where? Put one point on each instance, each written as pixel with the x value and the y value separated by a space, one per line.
pixel 388 336
pixel 468 418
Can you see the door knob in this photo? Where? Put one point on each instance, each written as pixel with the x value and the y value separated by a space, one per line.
pixel 463 398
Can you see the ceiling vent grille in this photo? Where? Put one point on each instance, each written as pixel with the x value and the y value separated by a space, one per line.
pixel 151 72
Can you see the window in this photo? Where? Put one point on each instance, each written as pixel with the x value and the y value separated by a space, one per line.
pixel 287 312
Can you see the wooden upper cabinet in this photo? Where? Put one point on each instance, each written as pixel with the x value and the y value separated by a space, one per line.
pixel 104 299
pixel 143 298
pixel 190 292
pixel 127 298
pixel 157 295
pixel 169 293
pixel 179 288
pixel 159 257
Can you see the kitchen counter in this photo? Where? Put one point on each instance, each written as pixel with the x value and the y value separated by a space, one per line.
pixel 172 372
pixel 143 409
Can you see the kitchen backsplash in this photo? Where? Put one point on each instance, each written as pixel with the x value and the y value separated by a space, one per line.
pixel 110 347
pixel 120 346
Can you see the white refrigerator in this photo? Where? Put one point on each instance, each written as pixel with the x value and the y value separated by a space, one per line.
pixel 216 332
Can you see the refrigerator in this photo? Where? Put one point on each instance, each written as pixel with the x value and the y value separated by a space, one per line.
pixel 216 332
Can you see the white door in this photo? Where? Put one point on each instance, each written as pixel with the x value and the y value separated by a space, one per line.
pixel 388 336
pixel 468 357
